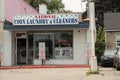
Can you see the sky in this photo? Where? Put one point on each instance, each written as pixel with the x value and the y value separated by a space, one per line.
pixel 74 5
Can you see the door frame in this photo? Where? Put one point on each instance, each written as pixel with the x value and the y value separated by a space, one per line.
pixel 16 46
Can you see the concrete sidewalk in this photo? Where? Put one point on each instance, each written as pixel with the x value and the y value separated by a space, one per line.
pixel 58 74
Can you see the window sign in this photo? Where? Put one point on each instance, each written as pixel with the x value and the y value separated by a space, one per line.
pixel 42 50
pixel 49 19
pixel 87 52
pixel 63 45
pixel 63 53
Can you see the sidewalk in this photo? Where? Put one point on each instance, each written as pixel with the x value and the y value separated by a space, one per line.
pixel 58 74
pixel 45 66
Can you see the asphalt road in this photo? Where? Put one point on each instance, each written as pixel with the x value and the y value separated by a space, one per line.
pixel 59 74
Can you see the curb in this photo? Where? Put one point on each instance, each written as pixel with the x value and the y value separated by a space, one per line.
pixel 45 66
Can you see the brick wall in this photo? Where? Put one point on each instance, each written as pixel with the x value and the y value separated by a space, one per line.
pixel 111 39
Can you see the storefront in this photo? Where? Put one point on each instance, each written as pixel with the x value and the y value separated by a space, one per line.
pixel 64 40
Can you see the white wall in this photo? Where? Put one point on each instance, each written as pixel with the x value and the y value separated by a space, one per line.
pixel 54 61
pixel 1 33
pixel 2 10
pixel 79 46
pixel 88 36
pixel 1 40
pixel 7 57
pixel 79 40
pixel 2 19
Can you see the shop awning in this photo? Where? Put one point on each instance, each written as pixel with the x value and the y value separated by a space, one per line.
pixel 39 27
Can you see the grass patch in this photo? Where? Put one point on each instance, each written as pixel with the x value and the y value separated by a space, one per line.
pixel 92 72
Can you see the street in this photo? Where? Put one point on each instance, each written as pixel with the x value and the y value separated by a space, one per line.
pixel 58 74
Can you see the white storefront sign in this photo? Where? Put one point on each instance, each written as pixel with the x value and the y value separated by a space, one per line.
pixel 49 19
pixel 41 50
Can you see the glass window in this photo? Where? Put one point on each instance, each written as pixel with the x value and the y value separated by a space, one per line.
pixel 63 45
pixel 108 52
pixel 47 38
pixel 118 40
pixel 58 45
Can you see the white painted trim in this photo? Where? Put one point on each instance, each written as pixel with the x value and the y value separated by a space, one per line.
pixel 113 30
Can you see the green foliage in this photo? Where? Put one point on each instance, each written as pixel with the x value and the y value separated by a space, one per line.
pixel 100 44
pixel 91 72
pixel 104 6
pixel 100 34
pixel 54 6
pixel 35 3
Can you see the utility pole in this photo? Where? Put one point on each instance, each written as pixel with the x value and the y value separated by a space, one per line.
pixel 91 13
pixel 93 59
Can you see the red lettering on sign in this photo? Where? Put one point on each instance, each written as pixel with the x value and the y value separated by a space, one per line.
pixel 45 16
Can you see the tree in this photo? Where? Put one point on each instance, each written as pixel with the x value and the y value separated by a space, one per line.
pixel 100 34
pixel 101 7
pixel 54 6
pixel 104 6
pixel 100 44
pixel 35 3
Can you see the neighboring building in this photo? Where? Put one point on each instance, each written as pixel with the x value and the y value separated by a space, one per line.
pixel 112 30
pixel 12 8
pixel 2 19
pixel 65 37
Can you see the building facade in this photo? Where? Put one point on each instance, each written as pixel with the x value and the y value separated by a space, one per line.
pixel 7 12
pixel 64 43
pixel 65 37
pixel 2 19
pixel 112 30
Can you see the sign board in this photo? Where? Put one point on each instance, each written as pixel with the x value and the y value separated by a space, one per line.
pixel 41 50
pixel 48 19
pixel 87 50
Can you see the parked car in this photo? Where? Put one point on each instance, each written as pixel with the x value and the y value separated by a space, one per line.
pixel 107 57
pixel 116 62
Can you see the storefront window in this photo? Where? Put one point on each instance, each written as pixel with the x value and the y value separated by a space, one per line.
pixel 63 45
pixel 58 45
pixel 46 38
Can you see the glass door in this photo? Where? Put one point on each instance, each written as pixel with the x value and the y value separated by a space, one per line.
pixel 21 48
pixel 21 51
